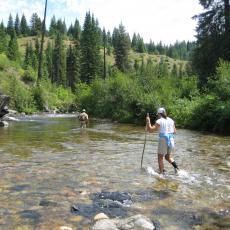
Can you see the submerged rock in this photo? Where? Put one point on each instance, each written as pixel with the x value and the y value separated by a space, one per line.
pixel 113 204
pixel 139 222
pixel 120 197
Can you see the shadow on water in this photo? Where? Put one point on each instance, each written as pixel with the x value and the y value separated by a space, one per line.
pixel 55 174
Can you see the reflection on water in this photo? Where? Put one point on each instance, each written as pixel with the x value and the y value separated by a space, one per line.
pixel 48 164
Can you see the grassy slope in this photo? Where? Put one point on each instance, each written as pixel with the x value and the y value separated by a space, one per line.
pixel 110 59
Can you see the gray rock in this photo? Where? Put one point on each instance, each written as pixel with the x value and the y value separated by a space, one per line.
pixel 105 224
pixel 135 222
pixel 139 222
pixel 4 123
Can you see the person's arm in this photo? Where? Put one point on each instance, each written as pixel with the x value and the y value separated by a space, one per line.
pixel 87 119
pixel 174 129
pixel 151 128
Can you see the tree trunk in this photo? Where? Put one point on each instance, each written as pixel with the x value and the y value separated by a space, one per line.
pixel 226 16
pixel 42 42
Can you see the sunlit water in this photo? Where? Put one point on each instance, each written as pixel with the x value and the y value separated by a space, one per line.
pixel 47 164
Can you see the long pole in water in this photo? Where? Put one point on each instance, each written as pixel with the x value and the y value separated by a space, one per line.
pixel 144 143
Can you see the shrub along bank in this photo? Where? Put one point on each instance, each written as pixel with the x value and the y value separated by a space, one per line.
pixel 126 97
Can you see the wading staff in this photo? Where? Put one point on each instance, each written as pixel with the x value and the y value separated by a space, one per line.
pixel 144 143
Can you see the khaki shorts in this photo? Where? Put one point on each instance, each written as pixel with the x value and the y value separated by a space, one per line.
pixel 163 148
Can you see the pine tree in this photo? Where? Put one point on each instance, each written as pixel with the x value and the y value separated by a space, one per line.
pixel 104 50
pixel 134 42
pixel 73 66
pixel 70 31
pixel 36 25
pixel 60 28
pixel 23 26
pixel 49 61
pixel 3 39
pixel 17 25
pixel 109 39
pixel 121 48
pixel 59 61
pixel 10 26
pixel 91 62
pixel 140 46
pixel 30 58
pixel 213 35
pixel 13 50
pixel 53 26
pixel 76 30
pixel 151 47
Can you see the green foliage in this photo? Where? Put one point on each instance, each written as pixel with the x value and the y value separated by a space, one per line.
pixel 20 96
pixel 29 75
pixel 4 62
pixel 221 85
pixel 50 96
pixel 138 82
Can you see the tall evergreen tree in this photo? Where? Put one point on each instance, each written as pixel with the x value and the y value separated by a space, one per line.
pixel 76 30
pixel 151 47
pixel 73 66
pixel 109 39
pixel 121 48
pixel 91 62
pixel 53 26
pixel 49 61
pixel 213 35
pixel 30 58
pixel 3 39
pixel 36 25
pixel 59 61
pixel 17 25
pixel 140 46
pixel 24 26
pixel 61 27
pixel 10 26
pixel 134 42
pixel 13 50
pixel 73 57
pixel 104 52
pixel 70 30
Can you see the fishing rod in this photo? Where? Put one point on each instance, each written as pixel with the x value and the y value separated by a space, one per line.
pixel 144 142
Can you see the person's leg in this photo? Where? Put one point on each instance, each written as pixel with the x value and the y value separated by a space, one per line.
pixel 161 151
pixel 161 163
pixel 170 159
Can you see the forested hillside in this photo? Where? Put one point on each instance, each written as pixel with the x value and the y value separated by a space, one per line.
pixel 110 73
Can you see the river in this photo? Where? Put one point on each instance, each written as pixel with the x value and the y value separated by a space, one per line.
pixel 47 164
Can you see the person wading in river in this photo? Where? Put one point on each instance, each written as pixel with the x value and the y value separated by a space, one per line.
pixel 83 118
pixel 166 128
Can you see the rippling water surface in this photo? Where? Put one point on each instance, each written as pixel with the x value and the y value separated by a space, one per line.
pixel 47 164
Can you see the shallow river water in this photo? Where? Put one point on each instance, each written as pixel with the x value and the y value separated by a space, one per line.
pixel 48 164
